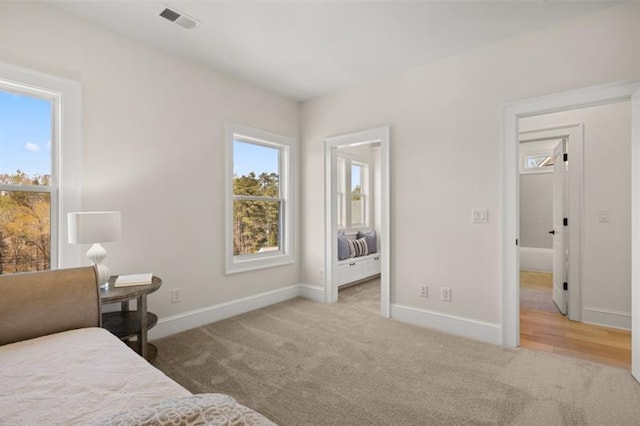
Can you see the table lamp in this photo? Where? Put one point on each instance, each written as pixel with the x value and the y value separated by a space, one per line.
pixel 95 228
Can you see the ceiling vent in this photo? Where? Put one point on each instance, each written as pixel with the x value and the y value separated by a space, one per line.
pixel 178 18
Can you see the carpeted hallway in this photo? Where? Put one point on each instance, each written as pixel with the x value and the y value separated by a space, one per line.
pixel 305 363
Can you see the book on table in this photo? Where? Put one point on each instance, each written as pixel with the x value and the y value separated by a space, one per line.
pixel 133 279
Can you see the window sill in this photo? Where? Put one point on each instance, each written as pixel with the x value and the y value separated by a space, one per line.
pixel 355 229
pixel 253 264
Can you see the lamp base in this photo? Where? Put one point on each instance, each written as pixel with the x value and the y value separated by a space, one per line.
pixel 96 254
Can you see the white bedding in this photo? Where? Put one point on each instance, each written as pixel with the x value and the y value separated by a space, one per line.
pixel 76 377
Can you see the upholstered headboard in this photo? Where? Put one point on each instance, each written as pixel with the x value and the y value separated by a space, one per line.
pixel 35 304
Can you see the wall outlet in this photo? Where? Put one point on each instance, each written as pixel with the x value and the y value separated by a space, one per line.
pixel 176 295
pixel 424 291
pixel 446 294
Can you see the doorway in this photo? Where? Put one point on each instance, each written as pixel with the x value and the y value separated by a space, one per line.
pixel 589 97
pixel 547 156
pixel 539 208
pixel 551 189
pixel 361 220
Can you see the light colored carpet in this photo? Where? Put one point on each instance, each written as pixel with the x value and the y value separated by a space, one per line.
pixel 305 363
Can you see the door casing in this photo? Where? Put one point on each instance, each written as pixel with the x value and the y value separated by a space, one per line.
pixel 596 95
pixel 380 134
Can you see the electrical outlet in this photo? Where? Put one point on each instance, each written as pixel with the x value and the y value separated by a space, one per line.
pixel 176 295
pixel 424 291
pixel 446 294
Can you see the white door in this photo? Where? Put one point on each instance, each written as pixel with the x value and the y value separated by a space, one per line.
pixel 560 229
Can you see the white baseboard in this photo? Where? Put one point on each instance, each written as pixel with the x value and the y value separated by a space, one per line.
pixel 312 292
pixel 536 259
pixel 452 324
pixel 199 317
pixel 479 330
pixel 607 318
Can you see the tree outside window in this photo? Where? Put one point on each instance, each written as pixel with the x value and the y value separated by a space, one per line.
pixel 26 181
pixel 256 213
pixel 260 214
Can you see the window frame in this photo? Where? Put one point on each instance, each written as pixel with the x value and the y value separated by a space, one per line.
pixel 341 196
pixel 66 155
pixel 242 263
pixel 364 194
pixel 51 189
pixel 525 155
pixel 344 192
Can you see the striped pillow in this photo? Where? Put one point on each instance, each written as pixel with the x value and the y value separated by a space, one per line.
pixel 358 247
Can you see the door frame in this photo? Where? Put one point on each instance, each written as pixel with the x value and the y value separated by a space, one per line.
pixel 591 96
pixel 574 134
pixel 380 134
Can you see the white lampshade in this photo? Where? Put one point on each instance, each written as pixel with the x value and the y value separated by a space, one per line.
pixel 94 227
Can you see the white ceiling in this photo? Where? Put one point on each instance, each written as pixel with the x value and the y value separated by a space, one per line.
pixel 304 49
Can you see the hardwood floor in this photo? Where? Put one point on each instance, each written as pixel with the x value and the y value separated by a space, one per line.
pixel 553 332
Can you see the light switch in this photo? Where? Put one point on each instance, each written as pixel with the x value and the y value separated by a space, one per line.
pixel 603 215
pixel 479 216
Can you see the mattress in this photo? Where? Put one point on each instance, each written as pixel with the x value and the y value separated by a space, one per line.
pixel 76 377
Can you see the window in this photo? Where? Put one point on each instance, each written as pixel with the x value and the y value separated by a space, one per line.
pixel 31 146
pixel 358 195
pixel 536 162
pixel 259 207
pixel 27 179
pixel 341 185
pixel 352 193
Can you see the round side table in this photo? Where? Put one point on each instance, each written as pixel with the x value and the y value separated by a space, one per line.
pixel 126 324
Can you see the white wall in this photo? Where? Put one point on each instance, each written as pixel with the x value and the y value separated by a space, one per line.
pixel 606 250
pixel 153 149
pixel 446 131
pixel 536 210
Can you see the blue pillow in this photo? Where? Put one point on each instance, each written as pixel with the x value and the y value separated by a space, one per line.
pixel 343 246
pixel 372 241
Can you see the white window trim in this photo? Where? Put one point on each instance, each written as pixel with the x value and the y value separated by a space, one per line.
pixel 341 217
pixel 236 264
pixel 66 151
pixel 345 161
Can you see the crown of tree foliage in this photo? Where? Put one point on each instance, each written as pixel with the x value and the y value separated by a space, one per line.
pixel 256 223
pixel 25 230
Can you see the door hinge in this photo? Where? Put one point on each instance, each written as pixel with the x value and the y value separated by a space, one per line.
pixel 565 286
pixel 516 241
pixel 565 221
pixel 565 157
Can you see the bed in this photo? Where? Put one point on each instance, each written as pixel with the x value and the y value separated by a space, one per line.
pixel 57 367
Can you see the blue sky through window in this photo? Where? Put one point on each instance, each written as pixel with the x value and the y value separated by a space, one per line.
pixel 249 157
pixel 356 172
pixel 25 134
